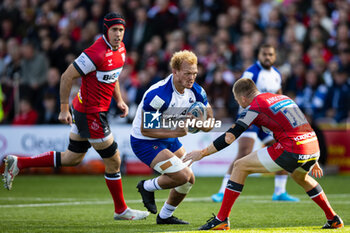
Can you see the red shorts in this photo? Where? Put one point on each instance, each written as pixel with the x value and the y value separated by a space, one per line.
pixel 91 125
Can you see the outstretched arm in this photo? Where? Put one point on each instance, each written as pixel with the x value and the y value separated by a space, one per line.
pixel 218 144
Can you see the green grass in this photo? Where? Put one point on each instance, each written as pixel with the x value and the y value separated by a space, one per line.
pixel 83 204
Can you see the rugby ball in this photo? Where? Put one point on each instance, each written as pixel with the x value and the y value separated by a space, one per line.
pixel 196 109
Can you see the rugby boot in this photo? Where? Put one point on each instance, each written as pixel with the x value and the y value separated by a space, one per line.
pixel 147 198
pixel 336 222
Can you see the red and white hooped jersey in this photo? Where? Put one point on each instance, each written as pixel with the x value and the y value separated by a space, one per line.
pixel 281 115
pixel 100 67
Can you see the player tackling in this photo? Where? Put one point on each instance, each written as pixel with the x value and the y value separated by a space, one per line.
pixel 99 67
pixel 296 150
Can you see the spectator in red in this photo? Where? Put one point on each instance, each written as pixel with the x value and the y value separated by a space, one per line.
pixel 27 115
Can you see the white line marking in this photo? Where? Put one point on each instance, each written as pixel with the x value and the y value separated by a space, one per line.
pixel 258 199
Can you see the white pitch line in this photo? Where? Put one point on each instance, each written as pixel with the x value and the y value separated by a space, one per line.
pixel 258 199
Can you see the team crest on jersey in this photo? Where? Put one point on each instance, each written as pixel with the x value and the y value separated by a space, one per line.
pixel 94 125
pixel 155 147
pixel 191 100
pixel 110 62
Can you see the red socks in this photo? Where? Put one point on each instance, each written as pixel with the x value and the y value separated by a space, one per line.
pixel 47 159
pixel 115 187
pixel 232 191
pixel 318 196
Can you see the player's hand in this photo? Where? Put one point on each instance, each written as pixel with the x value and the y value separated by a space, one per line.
pixel 65 117
pixel 317 171
pixel 124 108
pixel 193 156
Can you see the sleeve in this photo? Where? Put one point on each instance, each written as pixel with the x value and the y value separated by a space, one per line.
pixel 246 118
pixel 153 102
pixel 89 60
pixel 200 94
pixel 247 74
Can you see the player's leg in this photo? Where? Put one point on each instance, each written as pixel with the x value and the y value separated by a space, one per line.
pixel 245 146
pixel 281 177
pixel 108 150
pixel 72 156
pixel 315 192
pixel 256 162
pixel 176 196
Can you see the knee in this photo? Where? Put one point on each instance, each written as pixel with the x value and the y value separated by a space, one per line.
pixel 70 159
pixel 112 164
pixel 184 176
pixel 240 165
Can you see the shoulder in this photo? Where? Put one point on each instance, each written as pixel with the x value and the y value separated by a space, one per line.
pixel 159 95
pixel 251 71
pixel 96 52
pixel 199 93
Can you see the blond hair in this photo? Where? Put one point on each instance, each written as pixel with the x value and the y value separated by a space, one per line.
pixel 245 87
pixel 182 56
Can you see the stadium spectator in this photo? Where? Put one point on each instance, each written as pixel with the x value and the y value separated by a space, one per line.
pixel 99 66
pixel 311 99
pixel 34 67
pixel 160 148
pixel 49 114
pixel 338 98
pixel 267 79
pixel 289 153
pixel 27 115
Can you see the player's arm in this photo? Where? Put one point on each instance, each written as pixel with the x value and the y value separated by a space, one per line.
pixel 66 82
pixel 119 99
pixel 210 115
pixel 218 144
pixel 162 132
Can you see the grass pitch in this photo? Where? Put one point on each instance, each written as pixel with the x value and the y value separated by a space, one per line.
pixel 83 204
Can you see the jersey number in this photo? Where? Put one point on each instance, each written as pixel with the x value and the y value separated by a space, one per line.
pixel 294 115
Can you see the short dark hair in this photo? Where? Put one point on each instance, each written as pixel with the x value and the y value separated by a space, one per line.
pixel 244 87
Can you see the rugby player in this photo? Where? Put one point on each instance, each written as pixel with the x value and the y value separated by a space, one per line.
pixel 99 66
pixel 296 150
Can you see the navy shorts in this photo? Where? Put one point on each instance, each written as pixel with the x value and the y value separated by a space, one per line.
pixel 147 150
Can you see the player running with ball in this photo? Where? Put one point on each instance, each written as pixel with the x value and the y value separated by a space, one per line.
pixel 296 150
pixel 159 147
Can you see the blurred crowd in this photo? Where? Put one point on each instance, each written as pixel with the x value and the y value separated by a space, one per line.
pixel 40 38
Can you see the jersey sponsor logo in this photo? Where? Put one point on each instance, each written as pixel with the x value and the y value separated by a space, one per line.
pixel 278 106
pixel 157 102
pixel 307 158
pixel 305 138
pixel 121 49
pixel 109 54
pixel 191 100
pixel 108 76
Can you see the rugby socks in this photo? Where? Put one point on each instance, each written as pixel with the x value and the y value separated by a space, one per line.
pixel 114 184
pixel 152 185
pixel 224 183
pixel 318 196
pixel 232 191
pixel 167 211
pixel 280 184
pixel 47 159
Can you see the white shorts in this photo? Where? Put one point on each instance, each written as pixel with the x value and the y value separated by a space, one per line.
pixel 267 162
